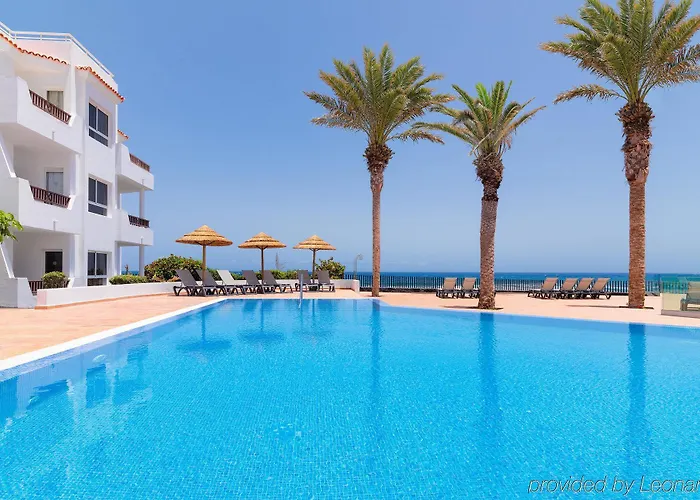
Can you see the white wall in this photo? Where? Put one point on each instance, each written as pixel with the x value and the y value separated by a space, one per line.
pixel 62 296
pixel 43 143
pixel 32 164
pixel 29 249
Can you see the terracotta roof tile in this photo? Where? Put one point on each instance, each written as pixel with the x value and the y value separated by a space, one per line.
pixel 94 73
pixel 31 53
pixel 123 134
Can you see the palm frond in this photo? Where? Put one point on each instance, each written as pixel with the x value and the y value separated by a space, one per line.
pixel 590 92
pixel 380 98
pixel 488 121
pixel 417 135
pixel 633 47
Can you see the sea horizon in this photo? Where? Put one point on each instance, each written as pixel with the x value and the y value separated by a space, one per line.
pixel 614 276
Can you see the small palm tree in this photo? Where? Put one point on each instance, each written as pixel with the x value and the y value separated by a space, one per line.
pixel 381 101
pixel 635 51
pixel 487 124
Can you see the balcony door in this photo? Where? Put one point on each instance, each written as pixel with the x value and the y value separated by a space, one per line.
pixel 53 261
pixel 54 182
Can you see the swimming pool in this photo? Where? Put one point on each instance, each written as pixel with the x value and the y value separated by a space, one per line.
pixel 353 399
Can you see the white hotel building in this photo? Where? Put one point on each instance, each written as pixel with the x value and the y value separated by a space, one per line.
pixel 64 166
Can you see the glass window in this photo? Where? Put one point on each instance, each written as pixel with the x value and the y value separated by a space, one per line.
pixel 98 124
pixel 97 264
pixel 54 182
pixel 101 267
pixel 91 264
pixel 97 197
pixel 55 97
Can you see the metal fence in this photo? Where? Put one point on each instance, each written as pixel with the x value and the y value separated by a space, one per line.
pixel 399 283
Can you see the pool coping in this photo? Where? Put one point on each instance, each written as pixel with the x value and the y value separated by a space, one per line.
pixel 27 358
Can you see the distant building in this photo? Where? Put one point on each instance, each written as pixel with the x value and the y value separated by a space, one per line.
pixel 64 166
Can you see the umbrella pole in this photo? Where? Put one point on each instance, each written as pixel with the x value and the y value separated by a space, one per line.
pixel 204 261
pixel 313 264
pixel 262 263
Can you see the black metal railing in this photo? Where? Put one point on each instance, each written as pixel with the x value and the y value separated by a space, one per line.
pixel 49 197
pixel 138 161
pixel 432 283
pixel 138 221
pixel 49 108
pixel 36 285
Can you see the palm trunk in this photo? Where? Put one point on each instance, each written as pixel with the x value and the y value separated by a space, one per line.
pixel 489 169
pixel 487 287
pixel 378 156
pixel 636 124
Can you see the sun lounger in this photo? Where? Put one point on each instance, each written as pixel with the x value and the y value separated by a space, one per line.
pixel 468 288
pixel 324 281
pixel 254 284
pixel 692 297
pixel 583 286
pixel 566 290
pixel 449 287
pixel 546 290
pixel 308 282
pixel 189 285
pixel 269 280
pixel 208 280
pixel 230 283
pixel 597 290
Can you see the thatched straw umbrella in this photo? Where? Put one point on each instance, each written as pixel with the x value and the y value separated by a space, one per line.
pixel 206 237
pixel 314 243
pixel 262 241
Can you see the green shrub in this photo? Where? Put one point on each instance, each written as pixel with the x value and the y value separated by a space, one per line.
pixel 8 223
pixel 127 279
pixel 278 275
pixel 54 279
pixel 163 269
pixel 335 269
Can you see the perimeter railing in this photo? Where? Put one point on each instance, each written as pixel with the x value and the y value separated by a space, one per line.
pixel 399 283
pixel 54 37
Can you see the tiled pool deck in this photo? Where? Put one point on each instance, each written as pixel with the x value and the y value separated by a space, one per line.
pixel 26 330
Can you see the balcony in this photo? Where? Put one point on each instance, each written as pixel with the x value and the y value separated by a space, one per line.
pixel 135 173
pixel 34 120
pixel 138 161
pixel 133 230
pixel 139 222
pixel 49 197
pixel 49 108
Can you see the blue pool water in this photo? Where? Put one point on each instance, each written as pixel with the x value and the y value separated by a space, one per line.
pixel 353 399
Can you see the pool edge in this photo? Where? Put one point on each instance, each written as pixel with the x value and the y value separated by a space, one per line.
pixel 27 358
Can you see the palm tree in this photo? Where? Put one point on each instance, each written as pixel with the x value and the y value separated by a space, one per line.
pixel 382 101
pixel 635 51
pixel 487 124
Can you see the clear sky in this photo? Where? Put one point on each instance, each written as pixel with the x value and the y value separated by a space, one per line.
pixel 214 104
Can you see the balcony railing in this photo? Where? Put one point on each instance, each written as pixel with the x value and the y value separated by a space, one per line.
pixel 138 161
pixel 49 108
pixel 138 221
pixel 49 197
pixel 35 285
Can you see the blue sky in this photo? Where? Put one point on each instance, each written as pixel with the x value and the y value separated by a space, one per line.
pixel 214 104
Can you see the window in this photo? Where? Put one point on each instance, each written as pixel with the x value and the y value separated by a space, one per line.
pixel 55 97
pixel 53 261
pixel 54 182
pixel 97 267
pixel 97 197
pixel 98 124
